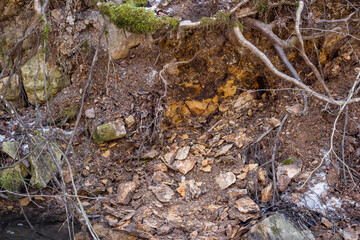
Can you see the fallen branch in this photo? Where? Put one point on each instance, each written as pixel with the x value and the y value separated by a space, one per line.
pixel 302 50
pixel 240 37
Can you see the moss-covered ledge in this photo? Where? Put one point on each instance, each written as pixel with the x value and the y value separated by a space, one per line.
pixel 136 19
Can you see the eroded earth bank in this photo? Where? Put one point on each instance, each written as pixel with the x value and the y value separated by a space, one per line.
pixel 179 119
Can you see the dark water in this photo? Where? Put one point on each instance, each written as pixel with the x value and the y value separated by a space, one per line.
pixel 16 228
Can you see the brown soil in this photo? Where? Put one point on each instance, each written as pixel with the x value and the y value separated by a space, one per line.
pixel 133 87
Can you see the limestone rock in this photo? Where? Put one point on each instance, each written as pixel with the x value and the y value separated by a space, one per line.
pixel 182 153
pixel 185 166
pixel 286 172
pixel 267 193
pixel 109 131
pixel 247 205
pixel 278 227
pixel 10 148
pixel 13 89
pixel 163 193
pixel 54 80
pixel 225 180
pixel 129 121
pixel 121 41
pixel 125 192
pixel 45 160
pixel 12 178
pixel 189 189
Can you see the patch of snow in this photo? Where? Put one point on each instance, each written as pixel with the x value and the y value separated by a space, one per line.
pixel 151 76
pixel 2 138
pixel 25 148
pixel 316 197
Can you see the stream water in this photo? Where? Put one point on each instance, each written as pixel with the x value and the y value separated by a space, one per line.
pixel 15 227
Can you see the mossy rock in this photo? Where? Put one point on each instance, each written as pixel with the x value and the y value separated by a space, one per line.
pixel 278 227
pixel 109 131
pixel 11 179
pixel 13 90
pixel 43 165
pixel 10 148
pixel 33 69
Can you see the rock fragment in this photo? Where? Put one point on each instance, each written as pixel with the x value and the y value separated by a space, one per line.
pixel 163 193
pixel 185 166
pixel 224 150
pixel 125 192
pixel 225 180
pixel 267 193
pixel 189 189
pixel 286 172
pixel 182 153
pixel 247 205
pixel 129 121
pixel 90 113
pixel 109 131
pixel 278 227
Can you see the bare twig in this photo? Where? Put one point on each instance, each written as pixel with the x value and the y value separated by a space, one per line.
pixel 302 50
pixel 336 20
pixel 343 142
pixel 276 193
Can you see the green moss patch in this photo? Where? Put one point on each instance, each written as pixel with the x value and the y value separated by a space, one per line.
pixel 12 178
pixel 220 19
pixel 136 19
pixel 288 161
